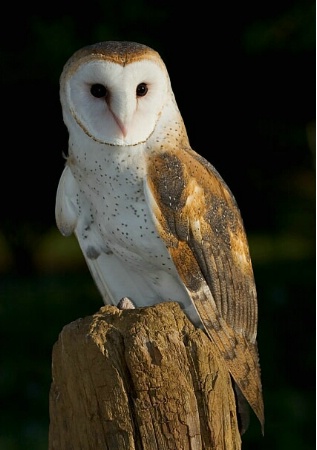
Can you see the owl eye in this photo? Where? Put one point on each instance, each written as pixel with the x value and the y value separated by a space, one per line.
pixel 98 90
pixel 141 90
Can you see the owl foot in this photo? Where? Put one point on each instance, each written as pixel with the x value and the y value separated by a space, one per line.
pixel 125 303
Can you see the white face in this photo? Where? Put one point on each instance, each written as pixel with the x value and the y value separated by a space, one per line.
pixel 114 104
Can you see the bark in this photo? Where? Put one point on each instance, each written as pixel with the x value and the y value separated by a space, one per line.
pixel 139 379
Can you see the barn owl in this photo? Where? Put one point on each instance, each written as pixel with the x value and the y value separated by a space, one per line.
pixel 154 220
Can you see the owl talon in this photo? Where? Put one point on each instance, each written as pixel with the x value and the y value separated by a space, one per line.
pixel 125 303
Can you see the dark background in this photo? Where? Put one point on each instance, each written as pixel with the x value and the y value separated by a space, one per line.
pixel 244 78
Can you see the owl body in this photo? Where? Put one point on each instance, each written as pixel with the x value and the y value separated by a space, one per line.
pixel 114 223
pixel 154 220
pixel 117 229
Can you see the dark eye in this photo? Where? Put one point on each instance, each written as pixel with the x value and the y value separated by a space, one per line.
pixel 141 90
pixel 98 90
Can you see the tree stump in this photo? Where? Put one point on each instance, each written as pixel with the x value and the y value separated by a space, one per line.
pixel 139 379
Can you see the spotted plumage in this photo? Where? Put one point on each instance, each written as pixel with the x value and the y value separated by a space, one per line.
pixel 154 220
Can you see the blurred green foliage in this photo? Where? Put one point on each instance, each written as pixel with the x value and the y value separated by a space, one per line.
pixel 244 79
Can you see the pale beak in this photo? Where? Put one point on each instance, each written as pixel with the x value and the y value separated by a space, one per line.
pixel 120 125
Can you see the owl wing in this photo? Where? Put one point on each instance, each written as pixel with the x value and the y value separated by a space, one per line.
pixel 198 218
pixel 66 207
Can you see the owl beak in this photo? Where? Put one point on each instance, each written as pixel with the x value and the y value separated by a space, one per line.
pixel 120 125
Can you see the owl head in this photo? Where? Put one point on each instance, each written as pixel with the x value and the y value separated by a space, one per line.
pixel 114 92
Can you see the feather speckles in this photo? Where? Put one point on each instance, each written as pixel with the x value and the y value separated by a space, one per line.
pixel 170 172
pixel 155 221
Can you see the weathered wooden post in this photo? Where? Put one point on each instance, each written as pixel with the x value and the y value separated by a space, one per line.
pixel 139 379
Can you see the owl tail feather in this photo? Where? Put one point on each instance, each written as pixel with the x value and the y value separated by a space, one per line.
pixel 240 356
pixel 243 411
